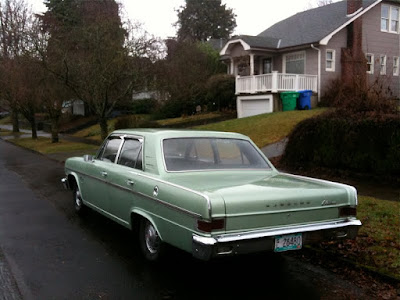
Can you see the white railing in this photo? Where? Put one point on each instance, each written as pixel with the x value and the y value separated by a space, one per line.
pixel 275 82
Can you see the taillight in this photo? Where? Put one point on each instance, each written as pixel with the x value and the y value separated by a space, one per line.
pixel 347 211
pixel 208 226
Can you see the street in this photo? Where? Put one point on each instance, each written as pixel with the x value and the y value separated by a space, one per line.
pixel 47 252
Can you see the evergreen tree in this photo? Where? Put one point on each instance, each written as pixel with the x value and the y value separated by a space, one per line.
pixel 202 20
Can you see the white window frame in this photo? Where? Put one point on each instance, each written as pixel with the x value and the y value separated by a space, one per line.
pixel 382 64
pixel 390 20
pixel 333 60
pixel 396 63
pixel 371 63
pixel 299 53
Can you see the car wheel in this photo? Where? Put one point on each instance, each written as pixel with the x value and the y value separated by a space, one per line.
pixel 150 243
pixel 79 207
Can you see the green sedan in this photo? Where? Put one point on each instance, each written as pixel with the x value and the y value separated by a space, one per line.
pixel 209 193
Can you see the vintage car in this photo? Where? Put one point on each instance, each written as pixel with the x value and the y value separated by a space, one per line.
pixel 209 193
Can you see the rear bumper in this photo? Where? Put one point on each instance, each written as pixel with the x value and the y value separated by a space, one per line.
pixel 264 240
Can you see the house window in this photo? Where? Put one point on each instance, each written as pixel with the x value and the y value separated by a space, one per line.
pixel 382 63
pixel 370 63
pixel 294 63
pixel 396 66
pixel 330 61
pixel 267 65
pixel 390 16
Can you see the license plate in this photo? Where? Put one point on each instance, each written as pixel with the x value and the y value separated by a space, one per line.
pixel 288 242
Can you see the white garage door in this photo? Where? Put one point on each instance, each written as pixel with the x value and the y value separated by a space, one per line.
pixel 254 107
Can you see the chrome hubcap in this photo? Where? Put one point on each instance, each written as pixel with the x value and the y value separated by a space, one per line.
pixel 151 238
pixel 78 200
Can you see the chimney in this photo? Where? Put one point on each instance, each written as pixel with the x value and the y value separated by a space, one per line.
pixel 352 57
pixel 353 6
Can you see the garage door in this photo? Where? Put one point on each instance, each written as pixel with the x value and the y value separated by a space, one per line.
pixel 255 107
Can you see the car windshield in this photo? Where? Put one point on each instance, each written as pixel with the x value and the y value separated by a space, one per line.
pixel 184 154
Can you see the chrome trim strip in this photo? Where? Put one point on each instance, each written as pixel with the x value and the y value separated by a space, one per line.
pixel 292 229
pixel 178 186
pixel 285 211
pixel 174 207
pixel 225 238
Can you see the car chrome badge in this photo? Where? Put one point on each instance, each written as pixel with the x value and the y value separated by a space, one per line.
pixel 328 202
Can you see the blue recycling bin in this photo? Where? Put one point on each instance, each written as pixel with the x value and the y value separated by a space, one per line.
pixel 304 100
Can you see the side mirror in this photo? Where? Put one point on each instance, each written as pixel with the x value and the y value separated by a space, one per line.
pixel 87 157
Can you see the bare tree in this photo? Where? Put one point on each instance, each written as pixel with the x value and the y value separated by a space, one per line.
pixel 94 55
pixel 14 23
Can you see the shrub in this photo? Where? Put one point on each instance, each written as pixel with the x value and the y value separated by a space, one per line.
pixel 144 106
pixel 220 93
pixel 359 97
pixel 358 142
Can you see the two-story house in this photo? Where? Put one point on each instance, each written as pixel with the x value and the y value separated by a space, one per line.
pixel 308 50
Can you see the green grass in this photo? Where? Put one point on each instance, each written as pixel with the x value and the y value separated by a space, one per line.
pixel 45 146
pixel 94 132
pixel 380 234
pixel 176 121
pixel 5 120
pixel 377 246
pixel 9 133
pixel 266 128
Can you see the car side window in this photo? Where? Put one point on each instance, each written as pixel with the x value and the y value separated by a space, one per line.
pixel 110 150
pixel 131 154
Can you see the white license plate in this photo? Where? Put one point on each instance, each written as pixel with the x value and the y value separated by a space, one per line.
pixel 288 242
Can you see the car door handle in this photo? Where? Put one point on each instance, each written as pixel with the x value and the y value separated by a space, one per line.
pixel 104 174
pixel 130 182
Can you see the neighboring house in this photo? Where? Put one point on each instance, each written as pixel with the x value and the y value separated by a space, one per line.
pixel 308 50
pixel 74 107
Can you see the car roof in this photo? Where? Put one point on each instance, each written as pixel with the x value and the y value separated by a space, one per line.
pixel 175 133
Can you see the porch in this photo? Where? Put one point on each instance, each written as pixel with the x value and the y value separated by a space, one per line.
pixel 275 82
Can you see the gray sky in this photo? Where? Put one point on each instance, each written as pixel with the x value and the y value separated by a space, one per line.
pixel 253 16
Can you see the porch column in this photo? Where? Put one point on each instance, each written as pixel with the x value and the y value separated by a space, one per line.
pixel 274 88
pixel 232 69
pixel 251 64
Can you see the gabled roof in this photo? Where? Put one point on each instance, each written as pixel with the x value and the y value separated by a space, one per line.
pixel 316 25
pixel 312 25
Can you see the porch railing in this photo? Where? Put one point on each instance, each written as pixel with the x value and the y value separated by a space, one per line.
pixel 275 82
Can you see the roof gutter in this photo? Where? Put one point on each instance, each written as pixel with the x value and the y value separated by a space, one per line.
pixel 319 72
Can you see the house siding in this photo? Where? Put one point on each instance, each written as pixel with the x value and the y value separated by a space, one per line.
pixel 380 43
pixel 337 42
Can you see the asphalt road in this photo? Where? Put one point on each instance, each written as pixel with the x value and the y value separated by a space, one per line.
pixel 47 252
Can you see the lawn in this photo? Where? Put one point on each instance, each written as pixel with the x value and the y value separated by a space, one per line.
pixel 377 246
pixel 265 129
pixel 45 146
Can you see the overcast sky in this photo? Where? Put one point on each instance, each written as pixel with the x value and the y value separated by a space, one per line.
pixel 252 16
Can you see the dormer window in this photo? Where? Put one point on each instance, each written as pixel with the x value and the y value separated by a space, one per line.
pixel 390 16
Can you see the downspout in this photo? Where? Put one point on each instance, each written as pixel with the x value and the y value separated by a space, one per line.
pixel 319 72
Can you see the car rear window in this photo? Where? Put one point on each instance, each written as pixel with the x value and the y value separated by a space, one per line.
pixel 184 154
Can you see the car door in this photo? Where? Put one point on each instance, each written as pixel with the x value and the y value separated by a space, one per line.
pixel 123 179
pixel 96 186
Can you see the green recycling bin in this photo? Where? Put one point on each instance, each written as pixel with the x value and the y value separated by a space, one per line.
pixel 289 100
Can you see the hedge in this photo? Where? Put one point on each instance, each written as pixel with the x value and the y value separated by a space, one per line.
pixel 360 143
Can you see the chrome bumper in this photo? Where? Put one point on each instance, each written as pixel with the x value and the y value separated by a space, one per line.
pixel 264 240
pixel 65 183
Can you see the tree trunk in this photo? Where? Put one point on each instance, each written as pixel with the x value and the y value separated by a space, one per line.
pixel 15 121
pixel 32 121
pixel 103 127
pixel 54 130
